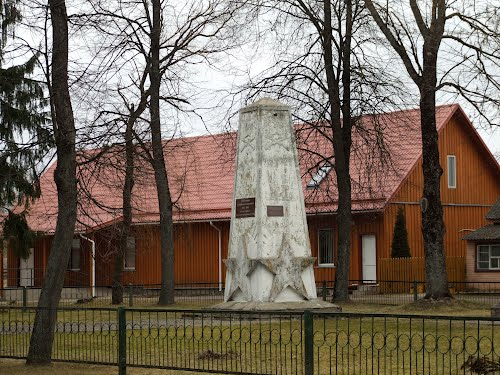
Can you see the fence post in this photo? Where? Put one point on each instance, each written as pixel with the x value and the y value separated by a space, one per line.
pixel 25 297
pixel 415 292
pixel 122 342
pixel 308 343
pixel 333 292
pixel 130 296
pixel 323 291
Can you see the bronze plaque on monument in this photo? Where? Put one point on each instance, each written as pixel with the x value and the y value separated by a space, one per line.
pixel 274 211
pixel 245 207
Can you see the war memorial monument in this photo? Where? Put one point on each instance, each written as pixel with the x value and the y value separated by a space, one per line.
pixel 269 266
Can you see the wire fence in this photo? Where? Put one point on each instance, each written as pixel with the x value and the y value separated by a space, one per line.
pixel 202 294
pixel 271 343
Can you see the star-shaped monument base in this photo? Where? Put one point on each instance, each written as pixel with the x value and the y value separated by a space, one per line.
pixel 240 269
pixel 287 270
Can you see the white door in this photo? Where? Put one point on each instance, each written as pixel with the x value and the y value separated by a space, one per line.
pixel 27 270
pixel 369 258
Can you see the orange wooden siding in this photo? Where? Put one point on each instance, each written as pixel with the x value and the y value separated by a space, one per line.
pixel 410 269
pixel 478 181
pixel 464 207
pixel 12 268
pixel 41 252
pixel 196 254
pixel 363 224
pixel 458 221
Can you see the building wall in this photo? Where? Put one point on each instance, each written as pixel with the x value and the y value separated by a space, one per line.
pixel 41 251
pixel 196 251
pixel 472 276
pixel 196 244
pixel 362 224
pixel 464 207
pixel 196 254
pixel 12 269
pixel 477 178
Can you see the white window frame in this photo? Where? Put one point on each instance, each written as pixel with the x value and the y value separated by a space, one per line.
pixel 130 247
pixel 452 164
pixel 319 176
pixel 332 244
pixel 488 248
pixel 75 245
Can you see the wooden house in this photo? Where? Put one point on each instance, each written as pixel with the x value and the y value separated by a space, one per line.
pixel 483 251
pixel 385 177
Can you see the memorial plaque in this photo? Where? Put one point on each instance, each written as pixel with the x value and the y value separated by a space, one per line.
pixel 245 207
pixel 274 211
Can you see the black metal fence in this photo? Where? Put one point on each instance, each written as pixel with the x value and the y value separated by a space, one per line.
pixel 197 294
pixel 264 343
pixel 394 292
pixel 188 294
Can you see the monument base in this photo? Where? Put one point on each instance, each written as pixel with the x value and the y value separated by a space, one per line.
pixel 316 305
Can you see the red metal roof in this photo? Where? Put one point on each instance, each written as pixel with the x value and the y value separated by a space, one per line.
pixel 201 175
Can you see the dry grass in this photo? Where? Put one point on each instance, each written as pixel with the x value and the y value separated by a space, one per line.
pixel 449 308
pixel 18 367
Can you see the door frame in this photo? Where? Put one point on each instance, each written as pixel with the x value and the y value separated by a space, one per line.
pixel 361 276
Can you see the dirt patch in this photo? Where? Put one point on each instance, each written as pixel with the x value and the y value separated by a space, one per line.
pixel 453 307
pixel 214 355
pixel 447 305
pixel 478 365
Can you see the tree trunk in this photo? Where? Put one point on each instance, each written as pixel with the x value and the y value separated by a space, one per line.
pixel 433 228
pixel 65 178
pixel 164 198
pixel 117 287
pixel 432 218
pixel 340 109
pixel 344 224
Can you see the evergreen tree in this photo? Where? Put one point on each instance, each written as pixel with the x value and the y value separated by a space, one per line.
pixel 20 237
pixel 400 246
pixel 24 139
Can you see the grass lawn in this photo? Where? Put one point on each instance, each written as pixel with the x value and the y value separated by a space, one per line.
pixel 358 344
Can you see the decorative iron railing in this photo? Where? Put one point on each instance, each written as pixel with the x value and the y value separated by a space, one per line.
pixel 263 343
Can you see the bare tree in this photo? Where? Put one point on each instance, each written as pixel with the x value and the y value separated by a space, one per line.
pixel 166 50
pixel 473 33
pixel 323 70
pixel 123 57
pixel 117 288
pixel 42 338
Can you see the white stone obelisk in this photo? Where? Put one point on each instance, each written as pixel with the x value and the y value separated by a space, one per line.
pixel 269 251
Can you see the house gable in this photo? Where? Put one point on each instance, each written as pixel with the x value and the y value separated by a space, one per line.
pixel 464 207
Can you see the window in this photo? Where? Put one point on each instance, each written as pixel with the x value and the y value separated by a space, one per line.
pixel 319 176
pixel 74 259
pixel 325 247
pixel 129 258
pixel 488 257
pixel 452 171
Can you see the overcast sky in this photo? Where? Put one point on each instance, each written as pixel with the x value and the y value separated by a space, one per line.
pixel 211 83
